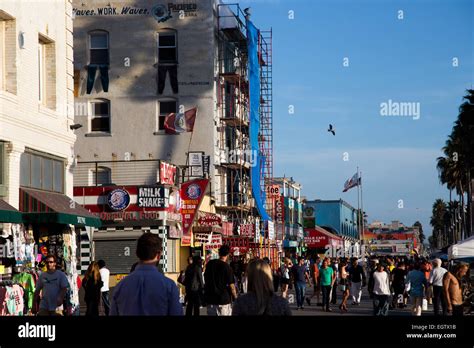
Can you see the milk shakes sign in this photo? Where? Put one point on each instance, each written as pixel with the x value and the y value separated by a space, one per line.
pixel 160 12
pixel 153 197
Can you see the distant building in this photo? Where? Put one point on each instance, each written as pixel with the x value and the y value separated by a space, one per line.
pixel 336 216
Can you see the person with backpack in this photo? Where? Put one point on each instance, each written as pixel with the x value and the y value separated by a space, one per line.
pixel 194 285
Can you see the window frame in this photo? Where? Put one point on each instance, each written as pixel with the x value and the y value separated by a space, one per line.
pixel 92 116
pixel 93 181
pixel 89 45
pixel 3 165
pixel 167 32
pixel 42 97
pixel 159 114
pixel 43 156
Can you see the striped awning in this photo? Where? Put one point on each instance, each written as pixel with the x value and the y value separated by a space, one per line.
pixel 50 207
pixel 9 214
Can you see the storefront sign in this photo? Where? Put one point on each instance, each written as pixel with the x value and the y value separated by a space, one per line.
pixel 202 238
pixel 280 210
pixel 208 219
pixel 257 231
pixel 271 230
pixel 291 203
pixel 216 242
pixel 246 230
pixel 192 193
pixel 273 191
pixel 131 215
pixel 174 232
pixel 206 162
pixel 167 175
pixel 153 197
pixel 118 199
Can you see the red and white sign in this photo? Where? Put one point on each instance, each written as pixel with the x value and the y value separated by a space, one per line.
pixel 216 242
pixel 319 238
pixel 167 173
pixel 202 238
pixel 247 230
pixel 273 191
pixel 208 219
pixel 237 251
pixel 192 193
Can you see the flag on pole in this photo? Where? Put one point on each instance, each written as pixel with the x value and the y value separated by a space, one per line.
pixel 180 123
pixel 352 182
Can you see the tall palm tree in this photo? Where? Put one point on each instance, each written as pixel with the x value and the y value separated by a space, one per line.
pixel 438 222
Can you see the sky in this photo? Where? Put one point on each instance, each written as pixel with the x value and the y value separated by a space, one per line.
pixel 405 57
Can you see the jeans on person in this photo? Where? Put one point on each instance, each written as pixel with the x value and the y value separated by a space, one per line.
pixel 92 308
pixel 219 310
pixel 438 299
pixel 356 291
pixel 106 302
pixel 104 77
pixel 300 288
pixel 334 293
pixel 194 302
pixel 380 305
pixel 173 72
pixel 326 289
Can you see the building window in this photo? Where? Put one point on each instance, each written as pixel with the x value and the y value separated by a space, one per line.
pixel 101 177
pixel 8 53
pixel 41 172
pixel 165 108
pixel 46 72
pixel 100 116
pixel 167 47
pixel 99 47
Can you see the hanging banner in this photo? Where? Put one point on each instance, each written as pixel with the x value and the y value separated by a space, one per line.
pixel 279 205
pixel 271 230
pixel 167 174
pixel 192 193
pixel 209 219
pixel 227 228
pixel 202 238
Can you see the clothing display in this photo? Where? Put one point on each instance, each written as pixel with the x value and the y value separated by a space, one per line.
pixel 173 72
pixel 104 76
pixel 11 299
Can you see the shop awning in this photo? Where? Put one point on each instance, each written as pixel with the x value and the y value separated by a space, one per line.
pixel 9 214
pixel 318 237
pixel 50 207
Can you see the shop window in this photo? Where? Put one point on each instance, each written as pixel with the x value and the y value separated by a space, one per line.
pixel 41 172
pixel 101 176
pixel 100 116
pixel 167 47
pixel 99 47
pixel 8 53
pixel 165 107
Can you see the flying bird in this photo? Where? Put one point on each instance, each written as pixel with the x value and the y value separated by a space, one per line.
pixel 332 130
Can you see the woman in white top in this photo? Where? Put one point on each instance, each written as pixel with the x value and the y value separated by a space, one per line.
pixel 285 276
pixel 380 290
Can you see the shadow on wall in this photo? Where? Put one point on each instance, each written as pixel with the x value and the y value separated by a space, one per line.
pixel 134 68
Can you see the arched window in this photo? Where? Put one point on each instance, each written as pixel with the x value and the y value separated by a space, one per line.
pixel 100 116
pixel 99 47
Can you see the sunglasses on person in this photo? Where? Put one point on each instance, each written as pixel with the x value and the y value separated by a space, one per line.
pixel 50 261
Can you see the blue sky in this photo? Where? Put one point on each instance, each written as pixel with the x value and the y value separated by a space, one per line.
pixel 408 60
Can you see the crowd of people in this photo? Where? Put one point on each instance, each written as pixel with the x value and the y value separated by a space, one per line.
pixel 241 286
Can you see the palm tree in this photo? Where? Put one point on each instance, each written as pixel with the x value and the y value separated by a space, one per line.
pixel 456 167
pixel 438 222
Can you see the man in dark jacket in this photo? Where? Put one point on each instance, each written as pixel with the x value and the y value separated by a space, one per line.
pixel 357 280
pixel 194 284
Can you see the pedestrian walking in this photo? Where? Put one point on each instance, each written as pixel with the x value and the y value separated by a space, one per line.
pixel 104 291
pixel 398 277
pixel 219 287
pixel 285 276
pixel 344 285
pixel 92 284
pixel 452 289
pixel 194 285
pixel 335 266
pixel 301 278
pixel 327 278
pixel 260 298
pixel 52 285
pixel 416 283
pixel 436 281
pixel 357 280
pixel 426 269
pixel 314 272
pixel 146 291
pixel 379 290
